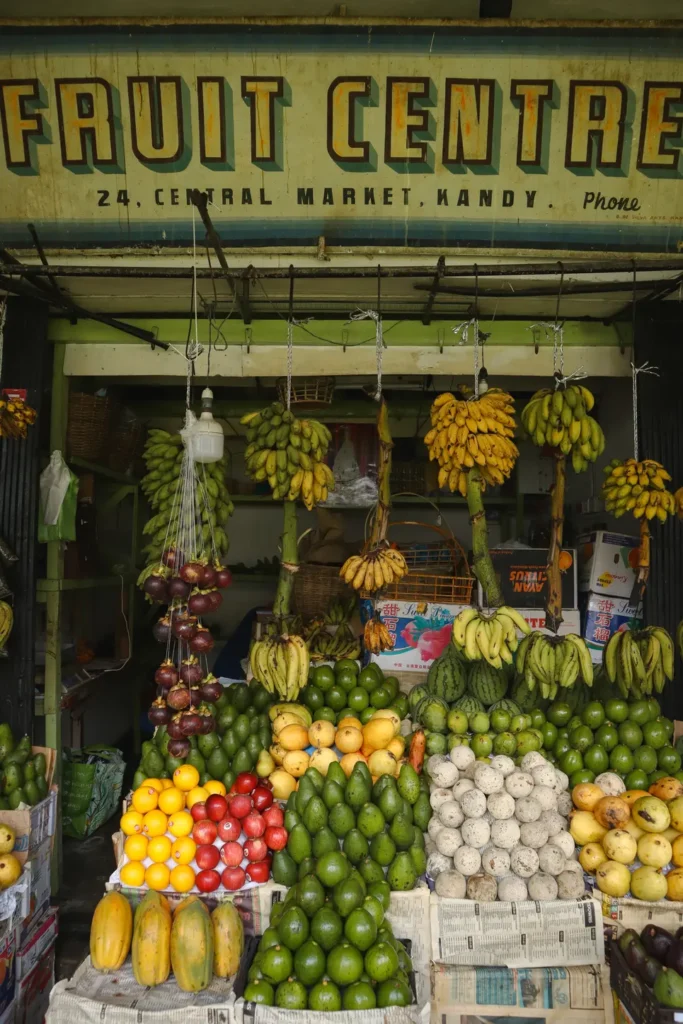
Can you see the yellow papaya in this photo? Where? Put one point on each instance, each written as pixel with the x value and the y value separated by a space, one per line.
pixel 192 946
pixel 228 939
pixel 110 932
pixel 151 953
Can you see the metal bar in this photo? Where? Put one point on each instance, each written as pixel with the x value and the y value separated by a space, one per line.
pixel 427 315
pixel 661 289
pixel 623 266
pixel 201 200
pixel 30 291
pixel 247 314
pixel 43 259
pixel 599 288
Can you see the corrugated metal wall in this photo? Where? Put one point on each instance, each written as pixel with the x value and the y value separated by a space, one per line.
pixel 25 356
pixel 659 339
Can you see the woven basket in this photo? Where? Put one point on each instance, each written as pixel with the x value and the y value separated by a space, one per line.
pixel 126 447
pixel 315 586
pixel 89 427
pixel 437 571
pixel 307 390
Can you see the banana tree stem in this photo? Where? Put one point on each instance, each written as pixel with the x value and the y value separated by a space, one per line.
pixel 289 561
pixel 383 508
pixel 553 608
pixel 482 564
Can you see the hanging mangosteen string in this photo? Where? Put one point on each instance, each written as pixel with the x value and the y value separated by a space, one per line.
pixel 635 370
pixel 372 314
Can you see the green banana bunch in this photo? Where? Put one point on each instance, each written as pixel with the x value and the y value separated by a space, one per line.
pixel 491 637
pixel 6 623
pixel 289 453
pixel 560 419
pixel 639 661
pixel 339 611
pixel 333 647
pixel 551 662
pixel 280 664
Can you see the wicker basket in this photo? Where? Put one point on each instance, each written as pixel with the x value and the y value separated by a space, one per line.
pixel 307 390
pixel 437 571
pixel 89 428
pixel 315 586
pixel 126 447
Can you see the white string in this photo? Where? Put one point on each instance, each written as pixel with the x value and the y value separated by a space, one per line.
pixel 195 348
pixel 292 322
pixel 463 330
pixel 371 314
pixel 635 370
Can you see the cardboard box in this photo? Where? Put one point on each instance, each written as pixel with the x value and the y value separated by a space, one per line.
pixel 571 620
pixel 32 826
pixel 7 976
pixel 603 616
pixel 422 632
pixel 37 943
pixel 523 577
pixel 608 563
pixel 39 890
pixel 33 990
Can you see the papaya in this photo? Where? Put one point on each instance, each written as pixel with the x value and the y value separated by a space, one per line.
pixel 151 952
pixel 111 932
pixel 228 939
pixel 192 946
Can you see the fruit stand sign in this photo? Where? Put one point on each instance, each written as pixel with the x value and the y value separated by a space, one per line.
pixel 365 134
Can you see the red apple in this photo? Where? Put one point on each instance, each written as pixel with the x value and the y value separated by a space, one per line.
pixel 274 816
pixel 207 857
pixel 207 881
pixel 240 805
pixel 275 837
pixel 245 782
pixel 253 825
pixel 198 811
pixel 258 872
pixel 266 782
pixel 262 798
pixel 229 828
pixel 255 849
pixel 204 832
pixel 233 878
pixel 216 807
pixel 232 855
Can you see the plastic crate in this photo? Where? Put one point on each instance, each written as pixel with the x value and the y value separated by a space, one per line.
pixel 637 997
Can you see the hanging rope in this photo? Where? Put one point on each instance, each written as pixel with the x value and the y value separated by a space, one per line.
pixel 635 370
pixel 193 348
pixel 463 330
pixel 371 314
pixel 3 318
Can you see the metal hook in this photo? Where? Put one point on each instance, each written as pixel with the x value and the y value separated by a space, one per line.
pixel 440 336
pixel 345 338
pixel 247 338
pixel 536 335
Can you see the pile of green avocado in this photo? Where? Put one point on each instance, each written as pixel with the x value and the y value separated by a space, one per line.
pixel 242 732
pixel 656 956
pixel 374 828
pixel 330 947
pixel 22 773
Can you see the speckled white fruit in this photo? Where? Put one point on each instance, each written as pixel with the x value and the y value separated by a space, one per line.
pixel 473 803
pixel 438 796
pixel 564 804
pixel 488 780
pixel 565 843
pixel 483 888
pixel 448 841
pixel 544 775
pixel 505 834
pixel 467 860
pixel 462 757
pixel 451 814
pixel 445 774
pixel 554 822
pixel 512 889
pixel 495 861
pixel 524 861
pixel 546 797
pixel 434 827
pixel 570 885
pixel 461 786
pixel 501 806
pixel 528 809
pixel 551 860
pixel 475 832
pixel 533 759
pixel 503 763
pixel 542 887
pixel 533 834
pixel 519 784
pixel 436 863
pixel 451 885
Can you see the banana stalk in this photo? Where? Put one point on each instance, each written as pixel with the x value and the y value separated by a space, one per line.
pixel 553 608
pixel 643 562
pixel 383 508
pixel 289 561
pixel 482 564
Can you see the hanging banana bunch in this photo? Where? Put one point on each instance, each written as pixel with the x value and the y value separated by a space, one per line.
pixel 639 661
pixel 280 663
pixel 560 419
pixel 374 569
pixel 472 432
pixel 15 417
pixel 639 488
pixel 376 636
pixel 289 453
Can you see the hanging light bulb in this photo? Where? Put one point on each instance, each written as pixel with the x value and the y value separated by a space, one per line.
pixel 207 434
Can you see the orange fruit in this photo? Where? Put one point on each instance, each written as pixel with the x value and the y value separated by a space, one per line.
pixel 349 739
pixel 198 794
pixel 182 878
pixel 214 786
pixel 159 849
pixel 166 784
pixel 155 824
pixel 171 800
pixel 183 850
pixel 180 824
pixel 132 873
pixel 135 847
pixel 157 877
pixel 145 798
pixel 131 823
pixel 186 777
pixel 154 783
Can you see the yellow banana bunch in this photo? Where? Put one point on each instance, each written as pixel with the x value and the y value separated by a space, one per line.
pixel 560 419
pixel 377 637
pixel 280 663
pixel 6 623
pixel 639 661
pixel 491 637
pixel 334 646
pixel 289 453
pixel 473 432
pixel 374 570
pixel 551 662
pixel 15 417
pixel 638 488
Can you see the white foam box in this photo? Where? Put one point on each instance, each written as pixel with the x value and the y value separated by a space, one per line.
pixel 571 620
pixel 32 993
pixel 422 632
pixel 603 616
pixel 608 563
pixel 40 889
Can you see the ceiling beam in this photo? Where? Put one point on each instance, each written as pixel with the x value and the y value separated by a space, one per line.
pixel 495 8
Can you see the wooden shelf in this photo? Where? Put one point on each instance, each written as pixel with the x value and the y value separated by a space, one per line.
pixel 439 501
pixel 110 474
pixel 91 583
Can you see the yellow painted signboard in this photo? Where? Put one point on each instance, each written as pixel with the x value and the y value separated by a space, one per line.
pixel 441 137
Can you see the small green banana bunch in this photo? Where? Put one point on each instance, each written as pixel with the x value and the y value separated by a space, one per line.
pixel 551 662
pixel 163 457
pixel 560 419
pixel 491 637
pixel 280 663
pixel 333 647
pixel 289 453
pixel 639 661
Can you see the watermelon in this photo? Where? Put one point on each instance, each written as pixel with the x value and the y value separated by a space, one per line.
pixel 469 704
pixel 415 696
pixel 486 683
pixel 433 714
pixel 447 677
pixel 524 696
pixel 506 705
